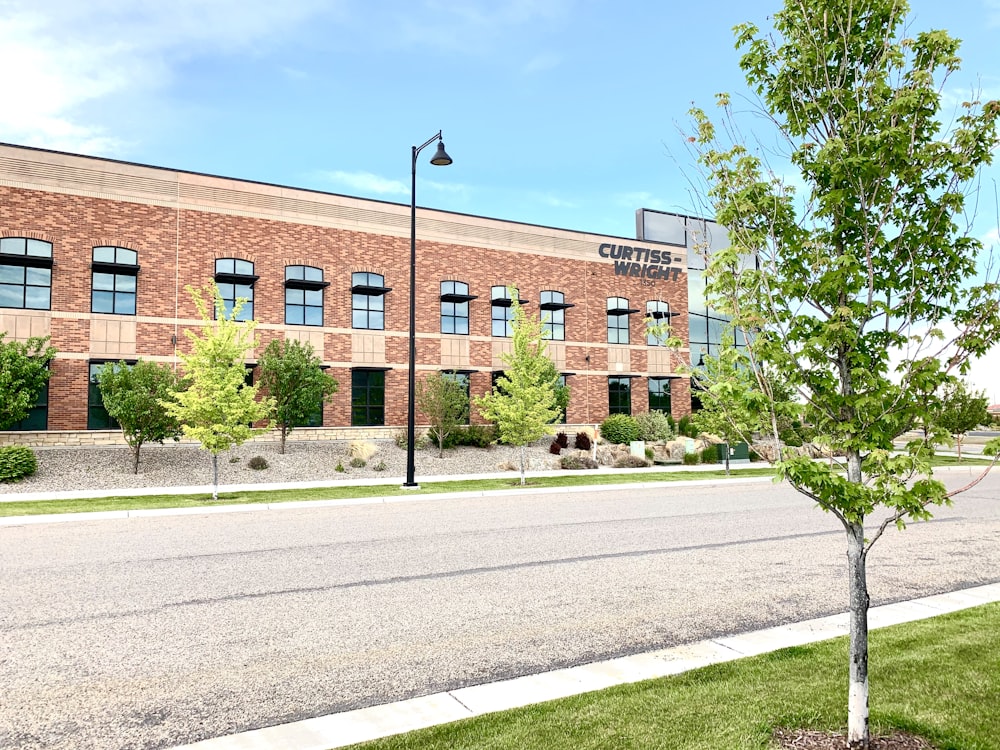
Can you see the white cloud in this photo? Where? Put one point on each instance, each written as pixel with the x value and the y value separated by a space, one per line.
pixel 366 182
pixel 62 55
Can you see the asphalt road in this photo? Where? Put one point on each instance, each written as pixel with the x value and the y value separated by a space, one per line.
pixel 146 633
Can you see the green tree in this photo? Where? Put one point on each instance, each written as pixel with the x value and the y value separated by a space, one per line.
pixel 133 396
pixel 24 371
pixel 865 263
pixel 561 390
pixel 218 407
pixel 292 375
pixel 523 404
pixel 961 410
pixel 445 403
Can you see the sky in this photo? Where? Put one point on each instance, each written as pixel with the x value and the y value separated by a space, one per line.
pixel 564 113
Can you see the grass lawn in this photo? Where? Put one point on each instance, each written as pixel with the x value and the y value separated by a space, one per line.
pixel 203 500
pixel 938 678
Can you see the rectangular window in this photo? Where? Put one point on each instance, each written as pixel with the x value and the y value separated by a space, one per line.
pixel 304 287
pixel 367 398
pixel 97 416
pixel 618 314
pixel 38 417
pixel 25 273
pixel 619 395
pixel 455 299
pixel 502 311
pixel 368 292
pixel 113 280
pixel 554 306
pixel 235 279
pixel 462 378
pixel 659 395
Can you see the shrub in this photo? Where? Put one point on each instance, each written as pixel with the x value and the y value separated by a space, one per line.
pixel 654 426
pixel 582 442
pixel 631 462
pixel 649 454
pixel 380 466
pixel 710 455
pixel 686 428
pixel 16 462
pixel 573 461
pixel 339 468
pixel 399 438
pixel 555 449
pixel 754 455
pixel 478 435
pixel 257 463
pixel 692 459
pixel 562 440
pixel 361 449
pixel 620 429
pixel 358 463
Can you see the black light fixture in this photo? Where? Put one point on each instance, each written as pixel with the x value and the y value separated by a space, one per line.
pixel 440 159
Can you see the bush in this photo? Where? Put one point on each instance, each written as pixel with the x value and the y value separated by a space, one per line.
pixel 555 449
pixel 257 463
pixel 358 463
pixel 474 435
pixel 649 454
pixel 399 438
pixel 686 428
pixel 631 462
pixel 710 455
pixel 654 426
pixel 361 449
pixel 17 462
pixel 573 461
pixel 692 459
pixel 582 442
pixel 620 429
pixel 339 468
pixel 380 466
pixel 562 440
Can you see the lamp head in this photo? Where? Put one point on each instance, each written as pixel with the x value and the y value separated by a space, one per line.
pixel 440 158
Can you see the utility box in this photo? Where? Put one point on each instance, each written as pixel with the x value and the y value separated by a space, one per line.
pixel 737 452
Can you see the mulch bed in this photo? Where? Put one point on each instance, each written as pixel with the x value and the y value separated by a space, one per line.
pixel 805 739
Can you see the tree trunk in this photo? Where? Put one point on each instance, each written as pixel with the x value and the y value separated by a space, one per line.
pixel 440 443
pixel 284 432
pixel 215 476
pixel 522 466
pixel 857 706
pixel 958 443
pixel 135 458
pixel 726 445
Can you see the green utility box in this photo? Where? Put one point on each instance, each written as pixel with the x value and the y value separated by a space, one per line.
pixel 737 452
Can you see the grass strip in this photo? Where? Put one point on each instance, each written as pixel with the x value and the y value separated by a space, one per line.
pixel 203 500
pixel 937 678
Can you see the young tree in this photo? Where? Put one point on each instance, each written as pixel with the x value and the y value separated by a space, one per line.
pixel 523 402
pixel 445 403
pixel 961 410
pixel 134 396
pixel 24 370
pixel 218 406
pixel 291 374
pixel 866 264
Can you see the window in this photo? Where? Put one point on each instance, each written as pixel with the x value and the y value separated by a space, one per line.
pixel 367 398
pixel 618 312
pixel 235 279
pixel 658 312
pixel 113 280
pixel 501 310
pixel 561 419
pixel 38 417
pixel 659 395
pixel 455 299
pixel 619 395
pixel 554 319
pixel 368 292
pixel 25 273
pixel 304 287
pixel 462 378
pixel 97 416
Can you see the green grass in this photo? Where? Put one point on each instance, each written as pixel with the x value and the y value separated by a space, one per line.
pixel 203 500
pixel 938 678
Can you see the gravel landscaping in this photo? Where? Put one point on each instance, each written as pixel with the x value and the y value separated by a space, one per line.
pixel 180 465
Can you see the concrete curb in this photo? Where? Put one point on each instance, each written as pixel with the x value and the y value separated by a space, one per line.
pixel 349 727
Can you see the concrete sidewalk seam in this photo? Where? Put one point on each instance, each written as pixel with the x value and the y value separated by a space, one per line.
pixel 375 722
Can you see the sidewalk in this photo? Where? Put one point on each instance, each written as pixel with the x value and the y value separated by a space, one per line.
pixel 338 730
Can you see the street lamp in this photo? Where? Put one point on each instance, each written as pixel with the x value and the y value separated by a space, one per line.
pixel 440 159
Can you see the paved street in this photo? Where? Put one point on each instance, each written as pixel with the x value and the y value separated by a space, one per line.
pixel 144 633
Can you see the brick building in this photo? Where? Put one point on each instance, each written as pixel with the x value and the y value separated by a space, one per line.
pixel 96 254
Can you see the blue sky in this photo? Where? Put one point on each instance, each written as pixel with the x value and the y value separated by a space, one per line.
pixel 565 113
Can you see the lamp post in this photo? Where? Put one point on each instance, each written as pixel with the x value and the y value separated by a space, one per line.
pixel 440 159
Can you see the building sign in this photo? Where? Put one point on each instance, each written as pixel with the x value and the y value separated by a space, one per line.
pixel 642 262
